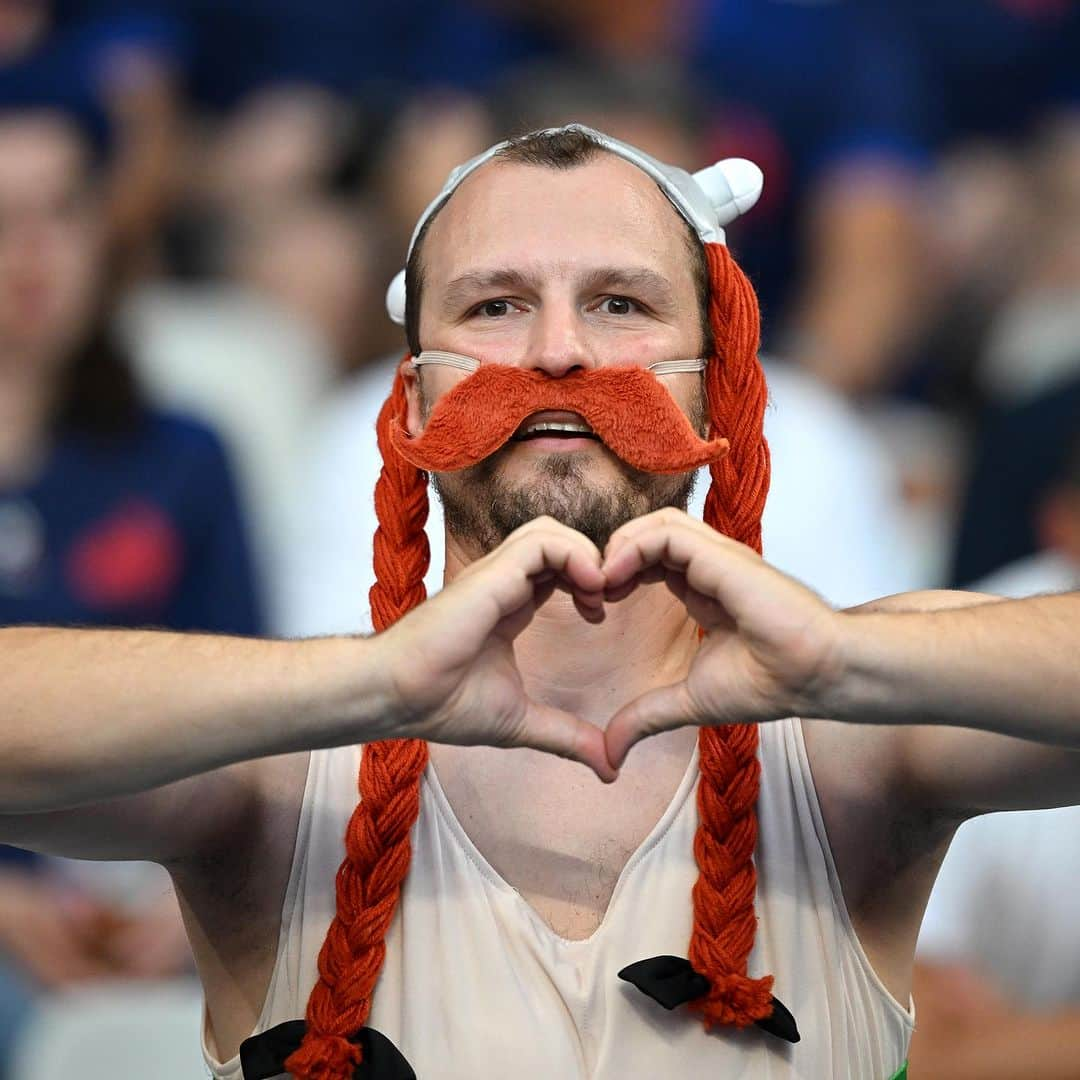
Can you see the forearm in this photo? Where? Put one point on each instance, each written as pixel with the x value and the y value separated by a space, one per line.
pixel 1009 666
pixel 91 715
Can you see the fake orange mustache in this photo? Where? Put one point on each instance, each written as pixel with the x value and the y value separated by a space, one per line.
pixel 627 407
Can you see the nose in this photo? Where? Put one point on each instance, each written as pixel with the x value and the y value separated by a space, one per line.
pixel 557 342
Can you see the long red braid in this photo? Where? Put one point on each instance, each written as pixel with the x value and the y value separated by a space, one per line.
pixel 377 838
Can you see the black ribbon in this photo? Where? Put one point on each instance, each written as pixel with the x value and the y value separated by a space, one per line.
pixel 263 1056
pixel 671 981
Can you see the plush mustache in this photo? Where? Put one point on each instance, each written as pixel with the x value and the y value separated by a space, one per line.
pixel 628 408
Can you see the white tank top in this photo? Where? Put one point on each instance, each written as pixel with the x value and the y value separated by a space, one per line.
pixel 476 985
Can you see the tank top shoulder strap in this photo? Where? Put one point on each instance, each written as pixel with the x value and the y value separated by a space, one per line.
pixel 794 851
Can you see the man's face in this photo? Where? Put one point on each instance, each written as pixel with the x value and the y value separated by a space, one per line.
pixel 50 240
pixel 557 270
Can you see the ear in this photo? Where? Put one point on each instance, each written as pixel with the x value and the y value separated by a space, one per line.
pixel 414 415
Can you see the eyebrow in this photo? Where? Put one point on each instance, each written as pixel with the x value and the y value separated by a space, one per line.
pixel 636 279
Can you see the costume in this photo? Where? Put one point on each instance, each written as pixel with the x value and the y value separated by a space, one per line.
pixel 477 985
pixel 712 975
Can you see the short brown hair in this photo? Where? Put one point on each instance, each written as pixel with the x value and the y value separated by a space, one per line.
pixel 556 149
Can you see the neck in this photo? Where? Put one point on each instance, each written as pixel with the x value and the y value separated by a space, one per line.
pixel 646 640
pixel 27 395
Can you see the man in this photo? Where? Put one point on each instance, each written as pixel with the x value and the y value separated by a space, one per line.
pixel 530 887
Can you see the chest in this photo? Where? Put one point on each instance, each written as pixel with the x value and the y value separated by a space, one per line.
pixel 464 923
pixel 554 834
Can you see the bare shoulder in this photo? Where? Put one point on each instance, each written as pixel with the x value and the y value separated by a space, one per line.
pixel 242 866
pixel 175 825
pixel 227 839
pixel 232 889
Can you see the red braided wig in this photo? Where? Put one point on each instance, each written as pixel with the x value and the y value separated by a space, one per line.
pixel 377 839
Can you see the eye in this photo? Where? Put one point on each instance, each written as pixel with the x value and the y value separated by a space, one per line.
pixel 618 305
pixel 493 309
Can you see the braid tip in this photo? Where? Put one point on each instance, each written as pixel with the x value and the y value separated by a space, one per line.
pixel 671 981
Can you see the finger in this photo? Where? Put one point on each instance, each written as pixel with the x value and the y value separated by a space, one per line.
pixel 590 608
pixel 665 516
pixel 556 732
pixel 509 573
pixel 583 599
pixel 621 592
pixel 663 709
pixel 669 518
pixel 561 548
pixel 706 557
pixel 658 547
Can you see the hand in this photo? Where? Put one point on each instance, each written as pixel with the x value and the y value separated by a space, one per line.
pixel 450 662
pixel 49 931
pixel 769 641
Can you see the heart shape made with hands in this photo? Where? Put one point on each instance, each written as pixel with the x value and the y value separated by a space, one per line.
pixel 763 637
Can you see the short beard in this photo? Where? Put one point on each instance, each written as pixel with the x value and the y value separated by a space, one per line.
pixel 482 509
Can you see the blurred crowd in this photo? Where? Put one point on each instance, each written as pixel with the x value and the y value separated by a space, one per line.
pixel 203 201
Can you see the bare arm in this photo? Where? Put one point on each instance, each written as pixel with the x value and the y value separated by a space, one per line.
pixel 128 744
pixel 1002 666
pixel 961 659
pixel 773 648
pixel 94 715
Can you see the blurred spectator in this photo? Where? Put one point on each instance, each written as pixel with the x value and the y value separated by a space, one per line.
pixel 652 105
pixel 116 514
pixel 314 260
pixel 1020 451
pixel 827 99
pixel 110 514
pixel 996 998
pixel 279 144
pixel 1056 565
pixel 117 66
pixel 997 993
pixel 233 359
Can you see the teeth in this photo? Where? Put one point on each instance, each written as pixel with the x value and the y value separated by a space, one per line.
pixel 548 425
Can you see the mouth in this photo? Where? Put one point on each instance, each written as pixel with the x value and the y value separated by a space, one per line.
pixel 555 427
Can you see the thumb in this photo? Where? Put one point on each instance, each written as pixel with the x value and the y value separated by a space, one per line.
pixel 568 736
pixel 655 711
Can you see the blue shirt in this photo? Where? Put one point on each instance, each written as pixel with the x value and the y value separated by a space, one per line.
pixel 140 530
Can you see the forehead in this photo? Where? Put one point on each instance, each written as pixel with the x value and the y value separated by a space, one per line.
pixel 512 214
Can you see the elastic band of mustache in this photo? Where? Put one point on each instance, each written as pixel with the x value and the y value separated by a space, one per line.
pixel 627 407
